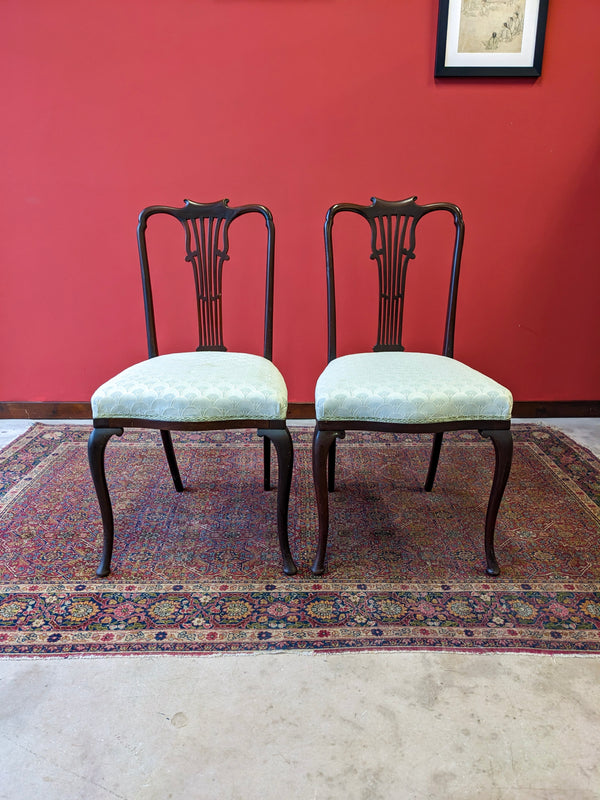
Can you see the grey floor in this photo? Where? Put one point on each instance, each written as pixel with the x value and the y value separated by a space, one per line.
pixel 302 725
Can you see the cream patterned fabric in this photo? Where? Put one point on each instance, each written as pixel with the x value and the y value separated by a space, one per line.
pixel 403 387
pixel 195 387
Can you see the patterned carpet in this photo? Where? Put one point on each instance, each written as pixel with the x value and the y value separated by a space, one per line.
pixel 200 572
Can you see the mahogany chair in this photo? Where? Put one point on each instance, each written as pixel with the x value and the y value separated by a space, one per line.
pixel 208 388
pixel 391 389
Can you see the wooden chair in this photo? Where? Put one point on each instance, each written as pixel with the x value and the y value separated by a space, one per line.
pixel 394 390
pixel 206 389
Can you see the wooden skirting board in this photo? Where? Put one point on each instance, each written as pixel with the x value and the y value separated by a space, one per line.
pixel 527 409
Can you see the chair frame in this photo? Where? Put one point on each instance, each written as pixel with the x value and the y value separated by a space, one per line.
pixel 207 256
pixel 394 221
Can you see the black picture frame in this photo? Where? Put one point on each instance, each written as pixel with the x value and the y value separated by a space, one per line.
pixel 493 60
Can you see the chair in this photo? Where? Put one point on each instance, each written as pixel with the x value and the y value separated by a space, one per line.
pixel 391 389
pixel 207 389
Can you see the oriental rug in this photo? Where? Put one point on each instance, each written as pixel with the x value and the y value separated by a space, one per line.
pixel 200 572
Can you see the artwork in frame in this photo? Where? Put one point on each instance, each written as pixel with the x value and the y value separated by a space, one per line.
pixel 502 38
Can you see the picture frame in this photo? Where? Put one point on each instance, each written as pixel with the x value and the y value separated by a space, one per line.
pixel 490 38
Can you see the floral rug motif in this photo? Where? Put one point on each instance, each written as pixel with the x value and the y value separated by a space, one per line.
pixel 200 572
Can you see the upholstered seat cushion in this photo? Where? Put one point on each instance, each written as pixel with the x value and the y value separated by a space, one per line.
pixel 400 387
pixel 195 387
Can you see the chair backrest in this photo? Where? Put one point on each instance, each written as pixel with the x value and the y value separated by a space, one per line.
pixel 393 241
pixel 206 240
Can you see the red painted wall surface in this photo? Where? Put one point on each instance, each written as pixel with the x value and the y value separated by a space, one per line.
pixel 111 105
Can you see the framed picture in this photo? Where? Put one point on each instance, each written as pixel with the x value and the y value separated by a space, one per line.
pixel 502 38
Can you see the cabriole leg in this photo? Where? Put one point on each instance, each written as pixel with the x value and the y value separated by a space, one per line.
pixel 331 467
pixel 503 446
pixel 96 446
pixel 285 461
pixel 323 442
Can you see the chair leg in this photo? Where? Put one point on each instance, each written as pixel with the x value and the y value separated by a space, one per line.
pixel 96 446
pixel 503 446
pixel 267 463
pixel 285 461
pixel 331 467
pixel 171 460
pixel 323 442
pixel 433 461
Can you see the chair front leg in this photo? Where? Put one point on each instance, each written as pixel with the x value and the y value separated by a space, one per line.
pixel 171 459
pixel 323 442
pixel 503 446
pixel 96 446
pixel 285 461
pixel 331 467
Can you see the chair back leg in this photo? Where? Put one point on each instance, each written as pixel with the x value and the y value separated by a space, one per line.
pixel 171 460
pixel 503 446
pixel 267 464
pixel 96 446
pixel 433 461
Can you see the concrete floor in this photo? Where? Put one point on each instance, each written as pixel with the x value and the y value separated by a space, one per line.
pixel 302 725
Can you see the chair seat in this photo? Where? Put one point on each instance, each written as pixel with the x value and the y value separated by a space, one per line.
pixel 407 388
pixel 201 386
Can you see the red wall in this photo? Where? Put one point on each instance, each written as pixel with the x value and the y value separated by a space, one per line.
pixel 111 105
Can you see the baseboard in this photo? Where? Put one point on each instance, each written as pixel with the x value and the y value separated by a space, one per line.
pixel 301 411
pixel 83 410
pixel 45 410
pixel 526 409
pixel 557 408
